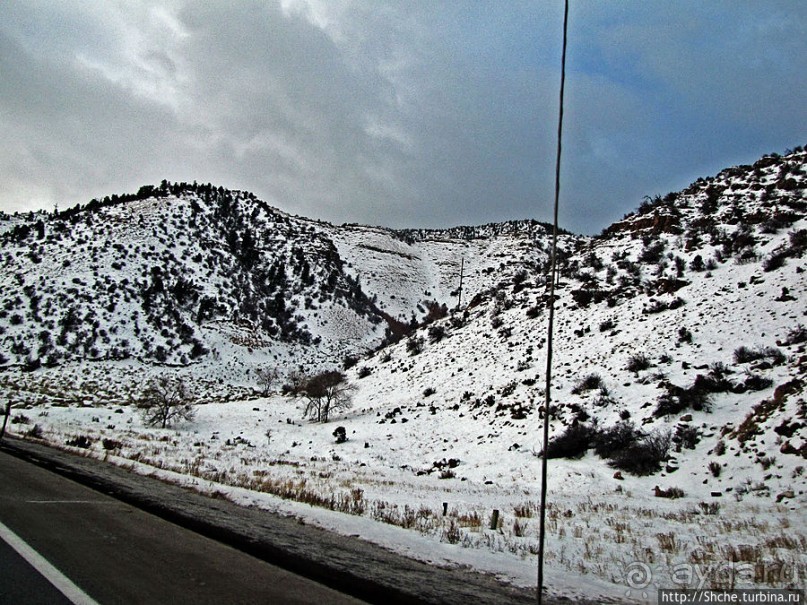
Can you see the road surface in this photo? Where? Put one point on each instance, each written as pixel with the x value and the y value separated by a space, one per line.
pixel 115 553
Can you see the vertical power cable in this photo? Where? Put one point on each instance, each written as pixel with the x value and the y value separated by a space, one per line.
pixel 551 320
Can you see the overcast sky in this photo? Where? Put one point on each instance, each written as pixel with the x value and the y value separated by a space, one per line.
pixel 400 113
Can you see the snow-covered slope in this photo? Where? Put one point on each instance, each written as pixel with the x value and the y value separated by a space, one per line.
pixel 679 330
pixel 183 274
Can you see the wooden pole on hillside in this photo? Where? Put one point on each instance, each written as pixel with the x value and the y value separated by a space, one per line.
pixel 551 320
pixel 459 291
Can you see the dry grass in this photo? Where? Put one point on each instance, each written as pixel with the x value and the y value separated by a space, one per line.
pixel 598 535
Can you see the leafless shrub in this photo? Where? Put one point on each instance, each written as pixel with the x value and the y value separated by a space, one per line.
pixel 165 401
pixel 326 393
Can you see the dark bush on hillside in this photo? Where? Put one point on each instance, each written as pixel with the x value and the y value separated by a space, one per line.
pixel 588 383
pixel 686 436
pixel 684 335
pixel 593 261
pixel 436 333
pixel 711 383
pixel 659 306
pixel 341 434
pixel 744 354
pixel 798 244
pixel 677 399
pixel 775 261
pixel 638 362
pixel 644 457
pixel 572 443
pixel 611 441
pixel 81 441
pixel 798 241
pixel 796 336
pixel 652 252
pixel 111 444
pixel 755 382
pixel 414 345
pixel 585 296
pixel 606 325
pixel 296 383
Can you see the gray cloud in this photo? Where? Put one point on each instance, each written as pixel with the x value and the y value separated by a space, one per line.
pixel 403 114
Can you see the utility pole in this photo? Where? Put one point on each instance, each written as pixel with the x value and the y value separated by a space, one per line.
pixel 551 320
pixel 459 291
pixel 5 419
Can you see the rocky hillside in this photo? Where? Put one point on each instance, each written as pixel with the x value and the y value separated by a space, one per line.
pixel 680 330
pixel 193 276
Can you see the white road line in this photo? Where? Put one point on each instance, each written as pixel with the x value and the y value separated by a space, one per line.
pixel 51 574
pixel 66 502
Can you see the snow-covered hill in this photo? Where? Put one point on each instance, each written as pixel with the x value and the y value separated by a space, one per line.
pixel 680 363
pixel 189 275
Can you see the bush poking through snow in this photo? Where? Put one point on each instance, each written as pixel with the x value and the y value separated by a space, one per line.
pixel 81 441
pixel 572 443
pixel 609 442
pixel 686 437
pixel 414 345
pixel 35 432
pixel 341 434
pixel 772 354
pixel 267 378
pixel 684 335
pixel 673 492
pixel 588 383
pixel 638 362
pixel 795 336
pixel 606 325
pixel 709 508
pixel 697 397
pixel 645 456
pixel 755 382
pixel 658 306
pixel 436 333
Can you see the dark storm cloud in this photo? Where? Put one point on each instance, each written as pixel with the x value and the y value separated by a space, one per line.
pixel 395 113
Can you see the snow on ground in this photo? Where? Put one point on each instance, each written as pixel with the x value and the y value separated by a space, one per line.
pixel 605 537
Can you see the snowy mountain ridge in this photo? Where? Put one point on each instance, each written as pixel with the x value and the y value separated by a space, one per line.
pixel 155 276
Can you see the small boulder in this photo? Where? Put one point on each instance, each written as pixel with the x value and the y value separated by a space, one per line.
pixel 785 495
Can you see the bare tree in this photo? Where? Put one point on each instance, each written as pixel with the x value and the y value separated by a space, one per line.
pixel 296 380
pixel 166 400
pixel 267 377
pixel 326 393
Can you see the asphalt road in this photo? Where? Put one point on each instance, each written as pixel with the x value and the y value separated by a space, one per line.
pixel 21 583
pixel 116 553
